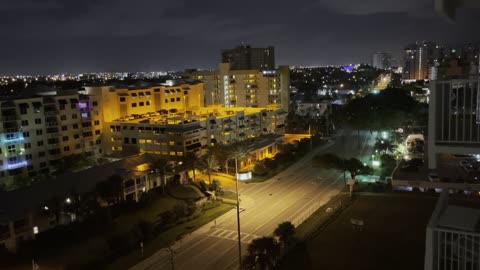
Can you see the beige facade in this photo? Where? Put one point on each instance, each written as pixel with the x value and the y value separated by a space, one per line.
pixel 246 88
pixel 118 103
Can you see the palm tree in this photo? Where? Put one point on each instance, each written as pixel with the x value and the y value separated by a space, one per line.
pixel 54 205
pixel 163 167
pixel 209 163
pixel 190 160
pixel 221 152
pixel 111 190
pixel 285 232
pixel 265 250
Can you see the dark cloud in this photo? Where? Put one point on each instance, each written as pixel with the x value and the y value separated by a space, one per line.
pixel 120 35
pixel 372 7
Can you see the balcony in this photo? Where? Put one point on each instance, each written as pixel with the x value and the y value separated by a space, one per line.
pixel 9 118
pixel 51 112
pixel 17 164
pixel 54 134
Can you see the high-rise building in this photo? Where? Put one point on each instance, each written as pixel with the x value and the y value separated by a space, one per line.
pixel 454 119
pixel 246 88
pixel 245 58
pixel 418 60
pixel 382 60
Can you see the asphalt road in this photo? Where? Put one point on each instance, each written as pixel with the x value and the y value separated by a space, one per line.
pixel 289 196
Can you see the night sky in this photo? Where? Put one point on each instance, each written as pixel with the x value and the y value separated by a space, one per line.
pixel 54 36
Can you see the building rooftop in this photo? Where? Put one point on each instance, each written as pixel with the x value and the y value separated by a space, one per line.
pixel 17 203
pixel 164 117
pixel 264 141
pixel 460 218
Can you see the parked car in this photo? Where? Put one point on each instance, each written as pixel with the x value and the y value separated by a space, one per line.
pixel 446 179
pixel 433 177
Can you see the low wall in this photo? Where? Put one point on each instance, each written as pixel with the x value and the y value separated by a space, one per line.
pixel 436 185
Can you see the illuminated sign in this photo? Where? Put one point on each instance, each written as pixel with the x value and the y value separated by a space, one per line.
pixel 244 176
pixel 17 165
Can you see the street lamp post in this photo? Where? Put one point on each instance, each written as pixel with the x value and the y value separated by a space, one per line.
pixel 238 215
pixel 343 161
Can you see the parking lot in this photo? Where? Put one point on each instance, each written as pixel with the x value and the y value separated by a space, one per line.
pixel 458 168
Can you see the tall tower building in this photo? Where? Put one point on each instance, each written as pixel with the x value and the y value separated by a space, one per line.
pixel 246 88
pixel 382 60
pixel 246 58
pixel 418 60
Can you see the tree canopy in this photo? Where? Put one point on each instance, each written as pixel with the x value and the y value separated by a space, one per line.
pixel 389 109
pixel 331 161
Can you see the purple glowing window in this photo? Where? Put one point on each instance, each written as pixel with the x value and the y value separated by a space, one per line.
pixel 84 115
pixel 82 105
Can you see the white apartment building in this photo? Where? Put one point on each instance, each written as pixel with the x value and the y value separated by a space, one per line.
pixel 454 118
pixel 452 237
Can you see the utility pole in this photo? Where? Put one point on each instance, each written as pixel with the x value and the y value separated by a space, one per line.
pixel 311 138
pixel 172 257
pixel 343 159
pixel 238 216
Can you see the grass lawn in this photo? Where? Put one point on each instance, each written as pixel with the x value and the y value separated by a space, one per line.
pixel 229 195
pixel 165 239
pixel 270 174
pixel 149 213
pixel 393 236
pixel 183 192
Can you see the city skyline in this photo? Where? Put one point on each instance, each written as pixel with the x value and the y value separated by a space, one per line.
pixel 71 37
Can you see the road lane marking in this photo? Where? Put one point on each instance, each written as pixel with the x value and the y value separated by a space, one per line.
pixel 232 235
